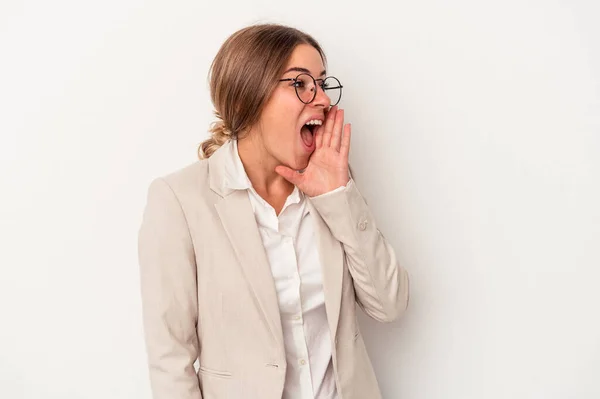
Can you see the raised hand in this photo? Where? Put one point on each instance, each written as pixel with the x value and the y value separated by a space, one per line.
pixel 328 165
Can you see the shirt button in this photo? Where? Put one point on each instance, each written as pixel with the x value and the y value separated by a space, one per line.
pixel 362 225
pixel 302 362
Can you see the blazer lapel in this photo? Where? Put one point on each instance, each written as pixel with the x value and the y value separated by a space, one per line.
pixel 331 256
pixel 237 216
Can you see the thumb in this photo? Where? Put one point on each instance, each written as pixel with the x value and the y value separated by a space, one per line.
pixel 289 174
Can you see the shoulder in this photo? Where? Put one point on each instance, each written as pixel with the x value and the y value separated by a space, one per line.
pixel 188 181
pixel 188 176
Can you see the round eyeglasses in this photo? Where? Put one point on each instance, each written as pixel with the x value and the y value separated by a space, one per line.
pixel 306 88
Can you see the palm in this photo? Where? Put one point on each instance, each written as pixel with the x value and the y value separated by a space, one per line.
pixel 326 171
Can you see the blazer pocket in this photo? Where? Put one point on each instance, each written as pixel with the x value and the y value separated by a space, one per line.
pixel 214 373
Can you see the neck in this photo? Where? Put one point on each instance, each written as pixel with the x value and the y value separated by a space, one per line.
pixel 260 168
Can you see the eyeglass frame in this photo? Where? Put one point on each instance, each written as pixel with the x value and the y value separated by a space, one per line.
pixel 315 82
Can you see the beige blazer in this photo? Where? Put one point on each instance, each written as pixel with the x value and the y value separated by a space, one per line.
pixel 208 292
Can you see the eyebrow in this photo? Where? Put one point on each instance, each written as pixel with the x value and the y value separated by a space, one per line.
pixel 304 70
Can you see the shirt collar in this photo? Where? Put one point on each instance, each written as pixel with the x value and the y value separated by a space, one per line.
pixel 235 174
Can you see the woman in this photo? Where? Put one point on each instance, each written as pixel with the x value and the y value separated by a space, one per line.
pixel 253 258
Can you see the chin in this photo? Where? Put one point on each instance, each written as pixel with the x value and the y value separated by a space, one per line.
pixel 301 163
pixel 296 161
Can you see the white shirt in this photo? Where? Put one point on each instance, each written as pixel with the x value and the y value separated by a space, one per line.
pixel 291 248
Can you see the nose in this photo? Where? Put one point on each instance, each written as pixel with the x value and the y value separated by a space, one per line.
pixel 321 98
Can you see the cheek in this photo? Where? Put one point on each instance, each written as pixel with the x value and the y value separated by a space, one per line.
pixel 280 120
pixel 283 121
pixel 285 107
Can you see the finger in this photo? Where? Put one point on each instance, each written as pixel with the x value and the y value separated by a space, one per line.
pixel 329 122
pixel 345 146
pixel 336 136
pixel 289 174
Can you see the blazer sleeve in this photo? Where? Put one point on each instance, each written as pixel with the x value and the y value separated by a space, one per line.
pixel 381 284
pixel 169 295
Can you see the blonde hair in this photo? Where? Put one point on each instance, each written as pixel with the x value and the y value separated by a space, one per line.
pixel 244 74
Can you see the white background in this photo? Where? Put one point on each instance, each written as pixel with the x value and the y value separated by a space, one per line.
pixel 476 140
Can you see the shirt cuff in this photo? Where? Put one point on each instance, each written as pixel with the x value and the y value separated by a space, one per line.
pixel 337 190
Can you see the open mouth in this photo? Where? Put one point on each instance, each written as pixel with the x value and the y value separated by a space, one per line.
pixel 308 131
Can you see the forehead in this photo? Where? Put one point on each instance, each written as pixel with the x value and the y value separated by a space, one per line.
pixel 307 57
